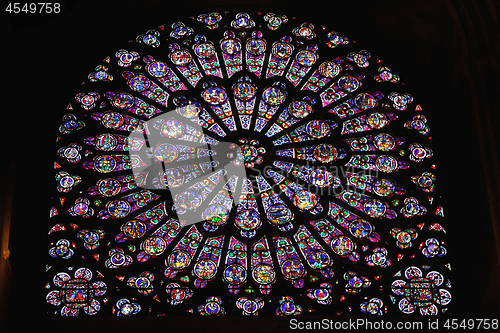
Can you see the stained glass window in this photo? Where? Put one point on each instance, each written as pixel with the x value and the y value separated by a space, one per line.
pixel 245 164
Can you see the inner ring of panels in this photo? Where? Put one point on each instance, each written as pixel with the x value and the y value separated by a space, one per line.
pixel 337 213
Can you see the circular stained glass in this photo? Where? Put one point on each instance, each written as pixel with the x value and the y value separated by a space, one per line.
pixel 112 120
pixel 256 46
pixel 318 129
pixel 214 96
pixel 246 156
pixel 305 200
pixel 306 58
pixel 118 208
pixel 342 245
pixel 383 187
pixel 318 259
pixel 189 200
pixel 264 274
pixel 235 274
pixel 375 208
pixel 180 57
pixel 329 69
pixel 247 219
pixel 293 269
pixel 154 246
pixel 244 91
pixel 189 109
pixel 386 163
pixel 282 50
pixel 360 228
pixel 300 109
pixel 321 178
pixel 384 142
pixel 157 69
pixel 108 187
pixel 172 128
pixel 279 214
pixel 178 260
pixel 205 269
pixel 172 178
pixel 166 152
pixel 134 229
pixel 230 46
pixel 123 101
pixel 104 164
pixel 204 50
pixel 325 153
pixel 273 96
pixel 106 142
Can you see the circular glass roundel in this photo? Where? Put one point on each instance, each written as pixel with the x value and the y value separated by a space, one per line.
pixel 318 129
pixel 157 69
pixel 386 163
pixel 189 200
pixel 279 214
pixel 384 142
pixel 293 269
pixel 360 228
pixel 264 274
pixel 172 128
pixel 274 96
pixel 251 158
pixel 123 101
pixel 375 208
pixel 172 178
pixel 376 120
pixel 166 152
pixel 318 259
pixel 244 91
pixel 112 120
pixel 282 50
pixel 104 164
pixel 305 200
pixel 181 57
pixel 189 109
pixel 325 153
pixel 178 260
pixel 256 46
pixel 321 178
pixel 247 219
pixel 205 269
pixel 365 101
pixel 230 46
pixel 329 69
pixel 235 274
pixel 306 58
pixel 215 96
pixel 108 187
pixel 106 142
pixel 154 245
pixel 204 50
pixel 300 109
pixel 383 187
pixel 342 245
pixel 134 229
pixel 118 208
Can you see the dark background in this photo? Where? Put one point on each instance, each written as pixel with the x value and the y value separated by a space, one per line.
pixel 446 51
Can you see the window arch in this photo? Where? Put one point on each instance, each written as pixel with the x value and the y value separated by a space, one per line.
pixel 336 211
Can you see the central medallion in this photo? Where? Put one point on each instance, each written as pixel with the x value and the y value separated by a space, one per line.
pixel 248 152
